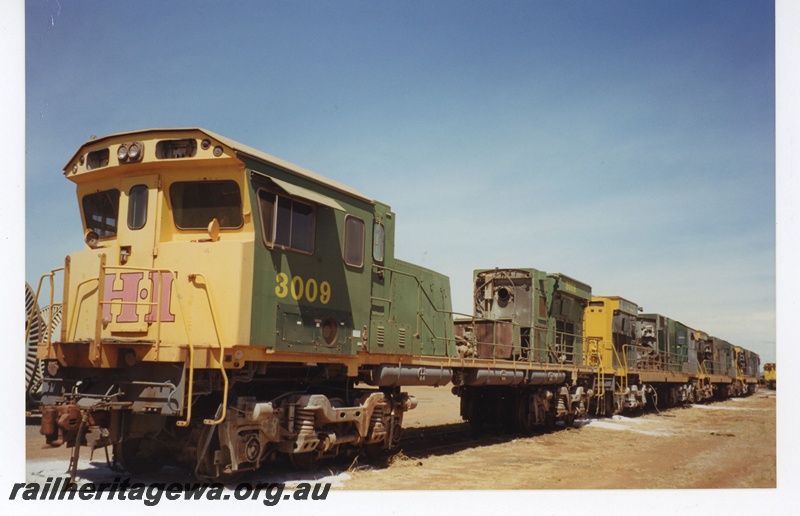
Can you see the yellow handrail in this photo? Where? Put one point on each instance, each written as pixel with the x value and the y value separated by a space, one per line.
pixel 214 320
pixel 34 313
pixel 157 304
pixel 190 392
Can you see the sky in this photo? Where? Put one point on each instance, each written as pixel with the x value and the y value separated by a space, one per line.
pixel 630 145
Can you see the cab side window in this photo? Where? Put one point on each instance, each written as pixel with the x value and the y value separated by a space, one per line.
pixel 353 241
pixel 378 242
pixel 286 223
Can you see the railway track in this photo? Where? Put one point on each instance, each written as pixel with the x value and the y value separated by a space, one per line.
pixel 451 438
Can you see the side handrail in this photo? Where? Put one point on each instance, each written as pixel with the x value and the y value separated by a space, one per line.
pixel 221 418
pixel 101 279
pixel 190 392
pixel 35 313
pixel 157 304
pixel 554 350
pixel 420 288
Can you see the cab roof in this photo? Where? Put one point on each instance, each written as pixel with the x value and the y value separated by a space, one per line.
pixel 240 149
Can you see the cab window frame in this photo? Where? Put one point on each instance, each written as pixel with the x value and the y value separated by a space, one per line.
pixel 179 216
pixel 277 221
pixel 378 242
pixel 348 241
pixel 106 226
pixel 135 202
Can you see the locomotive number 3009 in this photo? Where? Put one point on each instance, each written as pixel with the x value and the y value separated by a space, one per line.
pixel 299 289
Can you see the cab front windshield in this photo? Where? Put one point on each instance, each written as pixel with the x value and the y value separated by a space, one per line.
pixel 100 212
pixel 196 203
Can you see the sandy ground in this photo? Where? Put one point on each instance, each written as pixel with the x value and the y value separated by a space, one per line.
pixel 730 444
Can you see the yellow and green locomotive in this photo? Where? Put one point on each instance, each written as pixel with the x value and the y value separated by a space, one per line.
pixel 533 321
pixel 226 304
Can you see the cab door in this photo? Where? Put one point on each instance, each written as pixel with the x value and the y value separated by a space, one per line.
pixel 381 332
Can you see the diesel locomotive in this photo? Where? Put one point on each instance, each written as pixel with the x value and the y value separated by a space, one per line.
pixel 770 376
pixel 228 308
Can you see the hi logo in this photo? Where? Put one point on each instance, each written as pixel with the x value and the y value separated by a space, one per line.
pixel 136 291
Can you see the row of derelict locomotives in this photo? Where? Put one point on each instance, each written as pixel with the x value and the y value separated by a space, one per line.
pixel 230 309
pixel 538 352
pixel 593 354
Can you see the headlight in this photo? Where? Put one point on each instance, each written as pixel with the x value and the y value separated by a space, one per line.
pixel 130 152
pixel 92 238
pixel 134 151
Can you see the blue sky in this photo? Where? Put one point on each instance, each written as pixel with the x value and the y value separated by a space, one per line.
pixel 628 144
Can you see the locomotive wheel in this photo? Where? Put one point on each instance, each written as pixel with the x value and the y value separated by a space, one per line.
pixel 674 397
pixel 476 423
pixel 206 445
pixel 205 468
pixel 618 404
pixel 523 414
pixel 140 455
pixel 609 404
pixel 550 421
pixel 471 410
pixel 303 461
pixel 374 451
pixel 569 420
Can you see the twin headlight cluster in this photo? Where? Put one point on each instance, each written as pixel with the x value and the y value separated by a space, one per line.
pixel 130 152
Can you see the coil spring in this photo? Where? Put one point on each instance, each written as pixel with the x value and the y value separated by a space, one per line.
pixel 304 421
pixel 376 422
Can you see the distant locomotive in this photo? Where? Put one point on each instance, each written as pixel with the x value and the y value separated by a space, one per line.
pixel 229 307
pixel 770 376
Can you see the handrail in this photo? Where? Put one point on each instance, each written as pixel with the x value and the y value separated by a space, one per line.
pixel 555 349
pixel 190 392
pixel 158 285
pixel 222 416
pixel 71 323
pixel 190 345
pixel 96 345
pixel 35 313
pixel 420 288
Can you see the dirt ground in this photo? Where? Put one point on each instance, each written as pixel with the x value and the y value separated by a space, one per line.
pixel 730 444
